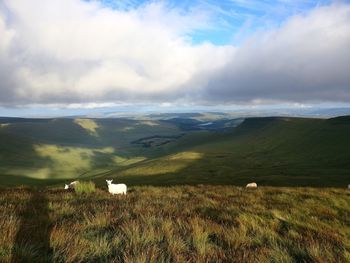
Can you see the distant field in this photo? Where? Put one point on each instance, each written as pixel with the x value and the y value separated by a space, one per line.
pixel 176 224
pixel 272 151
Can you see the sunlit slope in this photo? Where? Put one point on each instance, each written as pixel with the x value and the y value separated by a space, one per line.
pixel 70 148
pixel 271 151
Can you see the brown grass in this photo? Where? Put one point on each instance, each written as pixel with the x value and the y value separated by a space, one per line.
pixel 176 224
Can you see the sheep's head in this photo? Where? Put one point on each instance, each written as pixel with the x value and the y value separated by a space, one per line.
pixel 66 186
pixel 109 182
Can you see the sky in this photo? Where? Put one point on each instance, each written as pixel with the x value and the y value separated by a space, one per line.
pixel 70 56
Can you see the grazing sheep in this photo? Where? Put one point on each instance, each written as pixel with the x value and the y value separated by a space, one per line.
pixel 252 185
pixel 71 185
pixel 349 186
pixel 116 188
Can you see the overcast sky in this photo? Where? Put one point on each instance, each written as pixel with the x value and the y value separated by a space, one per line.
pixel 90 54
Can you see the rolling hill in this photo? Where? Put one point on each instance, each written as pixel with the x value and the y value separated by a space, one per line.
pixel 177 150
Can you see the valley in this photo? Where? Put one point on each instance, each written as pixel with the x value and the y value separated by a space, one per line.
pixel 170 150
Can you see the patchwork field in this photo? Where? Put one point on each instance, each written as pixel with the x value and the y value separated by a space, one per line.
pixel 176 224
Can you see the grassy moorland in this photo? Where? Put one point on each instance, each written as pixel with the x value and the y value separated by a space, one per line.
pixel 275 151
pixel 187 215
pixel 176 224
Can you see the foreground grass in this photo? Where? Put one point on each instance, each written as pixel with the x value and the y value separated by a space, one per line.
pixel 176 224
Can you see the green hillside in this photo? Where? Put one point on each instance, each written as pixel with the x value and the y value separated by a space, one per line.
pixel 271 151
pixel 53 149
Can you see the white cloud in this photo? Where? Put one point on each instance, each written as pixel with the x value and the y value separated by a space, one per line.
pixel 69 50
pixel 306 59
pixel 74 52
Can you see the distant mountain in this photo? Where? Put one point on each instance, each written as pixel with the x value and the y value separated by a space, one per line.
pixel 331 112
pixel 239 113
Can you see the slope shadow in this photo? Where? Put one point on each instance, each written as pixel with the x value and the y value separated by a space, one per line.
pixel 32 241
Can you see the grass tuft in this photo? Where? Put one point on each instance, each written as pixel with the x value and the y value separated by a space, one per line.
pixel 84 188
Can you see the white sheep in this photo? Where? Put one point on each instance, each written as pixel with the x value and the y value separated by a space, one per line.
pixel 252 185
pixel 349 186
pixel 71 185
pixel 116 188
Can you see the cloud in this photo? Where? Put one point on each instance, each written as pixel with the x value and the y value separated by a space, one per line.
pixel 73 51
pixel 306 59
pixel 76 52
